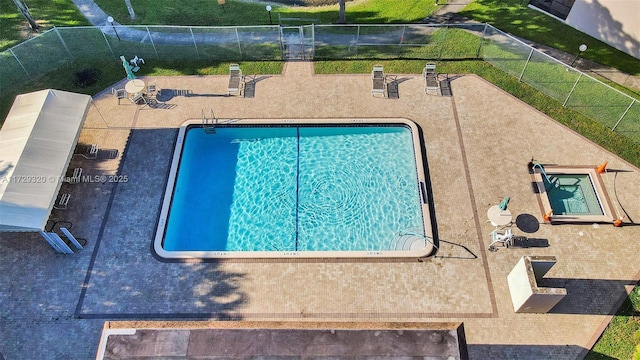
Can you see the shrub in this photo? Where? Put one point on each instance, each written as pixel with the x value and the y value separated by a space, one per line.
pixel 86 77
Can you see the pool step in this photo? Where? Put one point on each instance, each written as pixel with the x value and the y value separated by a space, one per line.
pixel 404 240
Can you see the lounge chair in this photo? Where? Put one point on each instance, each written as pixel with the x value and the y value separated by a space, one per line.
pixel 249 88
pixel 75 177
pixel 430 77
pixel 63 201
pixel 377 80
pixel 91 152
pixel 119 93
pixel 235 77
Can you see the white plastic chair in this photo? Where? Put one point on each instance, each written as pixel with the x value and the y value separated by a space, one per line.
pixel 119 93
pixel 504 239
pixel 137 97
pixel 136 60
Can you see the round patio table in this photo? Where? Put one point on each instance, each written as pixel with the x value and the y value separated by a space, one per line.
pixel 499 217
pixel 134 86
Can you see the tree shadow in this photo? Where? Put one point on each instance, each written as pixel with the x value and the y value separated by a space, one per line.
pixel 524 352
pixel 124 280
pixel 588 296
pixel 605 27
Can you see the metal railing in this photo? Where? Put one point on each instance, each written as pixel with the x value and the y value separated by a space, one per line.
pixel 574 89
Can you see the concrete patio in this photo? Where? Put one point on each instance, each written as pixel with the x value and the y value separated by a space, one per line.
pixel 478 143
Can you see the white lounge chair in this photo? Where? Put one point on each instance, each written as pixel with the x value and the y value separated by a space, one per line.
pixel 63 201
pixel 235 80
pixel 430 77
pixel 91 152
pixel 377 80
pixel 75 178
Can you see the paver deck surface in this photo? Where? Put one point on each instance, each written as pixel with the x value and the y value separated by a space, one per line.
pixel 478 145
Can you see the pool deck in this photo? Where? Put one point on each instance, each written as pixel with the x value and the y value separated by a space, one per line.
pixel 478 142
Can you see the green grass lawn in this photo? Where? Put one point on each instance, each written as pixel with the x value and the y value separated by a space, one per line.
pixel 48 13
pixel 512 17
pixel 622 337
pixel 209 13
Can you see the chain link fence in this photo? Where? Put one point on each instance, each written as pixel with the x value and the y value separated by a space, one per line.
pixel 49 51
pixel 573 88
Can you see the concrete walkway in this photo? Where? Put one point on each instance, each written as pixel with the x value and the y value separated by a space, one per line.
pixel 55 306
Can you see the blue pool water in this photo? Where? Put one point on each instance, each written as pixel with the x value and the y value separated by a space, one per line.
pixel 572 195
pixel 294 189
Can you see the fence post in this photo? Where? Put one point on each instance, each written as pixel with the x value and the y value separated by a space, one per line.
pixel 152 44
pixel 404 28
pixel 484 32
pixel 357 39
pixel 108 45
pixel 62 41
pixel 281 38
pixel 194 42
pixel 238 41
pixel 313 41
pixel 623 115
pixel 573 88
pixel 525 65
pixel 19 62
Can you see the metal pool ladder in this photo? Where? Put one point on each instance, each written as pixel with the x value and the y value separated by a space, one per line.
pixel 209 124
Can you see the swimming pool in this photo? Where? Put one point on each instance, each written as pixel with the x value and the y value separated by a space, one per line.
pixel 573 194
pixel 295 188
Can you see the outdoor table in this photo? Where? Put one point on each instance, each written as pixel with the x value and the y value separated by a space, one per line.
pixel 499 217
pixel 134 86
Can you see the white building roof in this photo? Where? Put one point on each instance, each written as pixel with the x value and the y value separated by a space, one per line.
pixel 37 141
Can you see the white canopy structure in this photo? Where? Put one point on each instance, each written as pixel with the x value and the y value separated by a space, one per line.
pixel 37 141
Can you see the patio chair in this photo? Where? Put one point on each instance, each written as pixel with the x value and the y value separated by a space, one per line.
pixel 377 80
pixel 151 87
pixel 235 77
pixel 136 60
pixel 430 77
pixel 119 93
pixel 497 238
pixel 139 97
